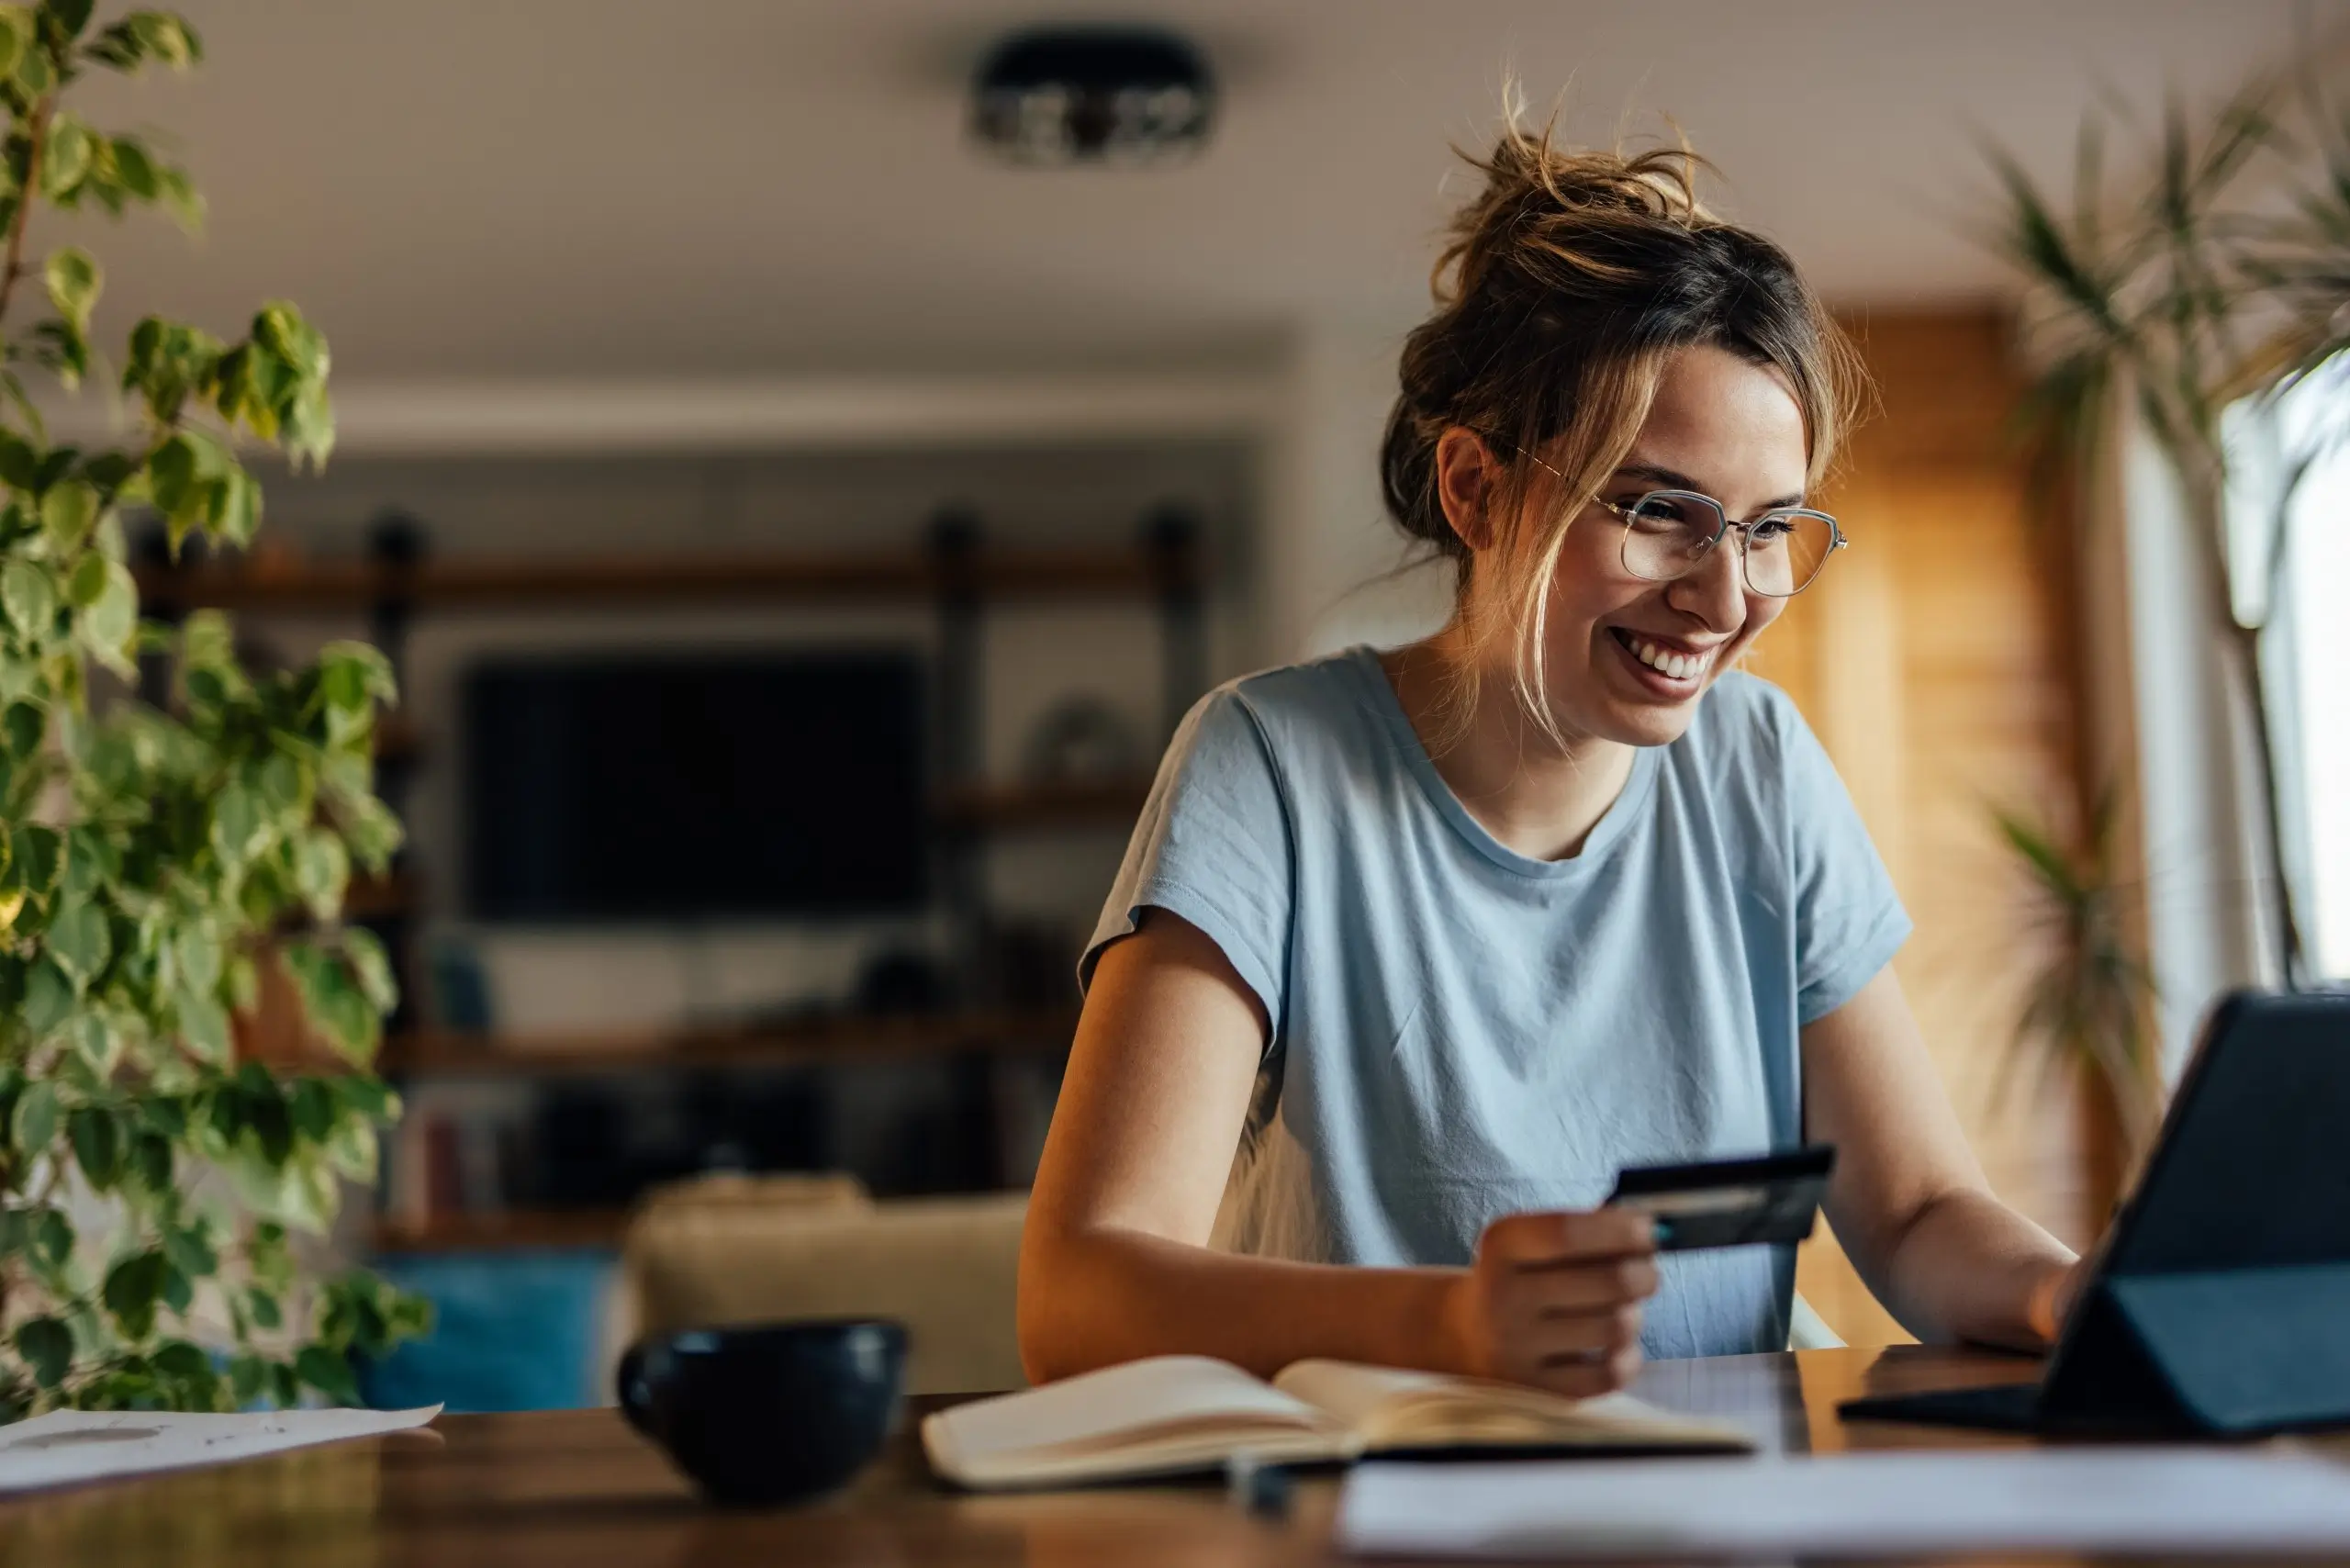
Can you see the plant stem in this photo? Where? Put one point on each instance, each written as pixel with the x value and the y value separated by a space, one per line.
pixel 38 139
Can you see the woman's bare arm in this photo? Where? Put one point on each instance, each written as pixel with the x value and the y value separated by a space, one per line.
pixel 1115 1265
pixel 1909 1201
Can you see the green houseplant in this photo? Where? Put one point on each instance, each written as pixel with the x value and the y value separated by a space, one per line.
pixel 2216 287
pixel 154 856
pixel 2221 284
pixel 2088 1005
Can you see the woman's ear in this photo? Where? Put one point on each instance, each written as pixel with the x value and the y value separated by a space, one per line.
pixel 1468 480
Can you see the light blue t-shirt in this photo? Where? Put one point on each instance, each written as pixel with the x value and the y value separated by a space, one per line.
pixel 1459 1032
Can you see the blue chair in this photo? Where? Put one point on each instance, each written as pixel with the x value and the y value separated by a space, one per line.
pixel 512 1330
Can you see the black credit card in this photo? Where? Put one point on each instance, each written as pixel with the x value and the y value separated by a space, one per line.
pixel 1728 1202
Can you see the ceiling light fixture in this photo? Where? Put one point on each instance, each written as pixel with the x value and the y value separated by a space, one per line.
pixel 1088 95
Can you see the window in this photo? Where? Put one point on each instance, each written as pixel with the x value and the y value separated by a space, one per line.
pixel 2305 651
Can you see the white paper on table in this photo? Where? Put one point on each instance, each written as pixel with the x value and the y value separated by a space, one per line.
pixel 65 1448
pixel 2055 1499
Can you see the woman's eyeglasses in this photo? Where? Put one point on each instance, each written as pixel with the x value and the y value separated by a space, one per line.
pixel 1667 532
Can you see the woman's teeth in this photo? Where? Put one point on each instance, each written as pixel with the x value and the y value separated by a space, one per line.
pixel 1680 666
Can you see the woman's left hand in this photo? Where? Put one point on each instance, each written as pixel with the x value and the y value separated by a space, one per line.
pixel 2055 1297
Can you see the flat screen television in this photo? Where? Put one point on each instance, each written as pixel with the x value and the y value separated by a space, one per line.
pixel 616 788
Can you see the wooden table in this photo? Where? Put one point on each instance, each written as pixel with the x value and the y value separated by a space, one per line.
pixel 576 1489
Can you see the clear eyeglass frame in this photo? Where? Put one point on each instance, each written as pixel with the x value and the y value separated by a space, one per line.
pixel 1650 565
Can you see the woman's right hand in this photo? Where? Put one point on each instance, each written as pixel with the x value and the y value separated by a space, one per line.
pixel 1553 1300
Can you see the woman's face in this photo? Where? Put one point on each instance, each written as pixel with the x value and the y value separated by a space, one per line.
pixel 1724 428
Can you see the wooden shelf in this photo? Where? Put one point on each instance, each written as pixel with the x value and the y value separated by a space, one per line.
pixel 443 1054
pixel 490 580
pixel 501 1228
pixel 1111 801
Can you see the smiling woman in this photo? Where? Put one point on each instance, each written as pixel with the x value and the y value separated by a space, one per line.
pixel 1413 951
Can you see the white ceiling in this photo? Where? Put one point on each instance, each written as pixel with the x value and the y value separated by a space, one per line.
pixel 610 187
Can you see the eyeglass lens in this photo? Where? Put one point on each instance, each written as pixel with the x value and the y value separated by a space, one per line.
pixel 1667 533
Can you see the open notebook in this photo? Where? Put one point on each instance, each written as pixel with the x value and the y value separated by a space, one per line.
pixel 1172 1414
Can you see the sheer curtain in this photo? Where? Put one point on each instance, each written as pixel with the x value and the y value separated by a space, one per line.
pixel 2288 535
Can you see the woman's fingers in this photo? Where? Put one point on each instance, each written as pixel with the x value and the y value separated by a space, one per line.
pixel 1557 1298
pixel 1593 1286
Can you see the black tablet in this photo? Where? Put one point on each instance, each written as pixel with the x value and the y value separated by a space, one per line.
pixel 2219 1300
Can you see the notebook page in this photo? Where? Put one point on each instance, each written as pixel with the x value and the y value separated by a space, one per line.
pixel 1177 1393
pixel 1387 1406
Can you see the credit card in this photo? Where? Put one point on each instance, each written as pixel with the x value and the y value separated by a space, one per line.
pixel 1728 1202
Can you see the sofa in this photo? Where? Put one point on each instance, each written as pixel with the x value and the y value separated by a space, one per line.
pixel 748 1249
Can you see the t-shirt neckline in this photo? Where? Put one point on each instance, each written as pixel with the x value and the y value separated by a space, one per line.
pixel 1614 823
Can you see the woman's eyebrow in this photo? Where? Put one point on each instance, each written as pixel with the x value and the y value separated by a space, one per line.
pixel 1673 479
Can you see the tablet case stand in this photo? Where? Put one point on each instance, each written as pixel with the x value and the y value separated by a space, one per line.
pixel 2226 1353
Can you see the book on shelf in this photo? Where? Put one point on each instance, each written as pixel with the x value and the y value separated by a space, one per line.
pixel 1172 1415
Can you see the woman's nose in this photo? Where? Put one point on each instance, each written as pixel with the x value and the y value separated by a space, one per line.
pixel 1714 590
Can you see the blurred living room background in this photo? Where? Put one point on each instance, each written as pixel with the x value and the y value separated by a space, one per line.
pixel 798 526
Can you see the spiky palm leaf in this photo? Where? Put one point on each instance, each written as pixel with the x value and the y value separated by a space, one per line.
pixel 2210 288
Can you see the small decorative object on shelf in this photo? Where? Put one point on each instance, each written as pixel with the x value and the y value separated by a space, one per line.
pixel 1081 739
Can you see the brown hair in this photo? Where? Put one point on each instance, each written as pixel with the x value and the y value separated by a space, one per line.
pixel 1567 282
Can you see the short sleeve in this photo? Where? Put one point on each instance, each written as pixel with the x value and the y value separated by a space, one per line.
pixel 1213 847
pixel 1849 920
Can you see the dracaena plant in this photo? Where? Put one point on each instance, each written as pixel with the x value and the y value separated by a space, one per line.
pixel 2221 284
pixel 156 853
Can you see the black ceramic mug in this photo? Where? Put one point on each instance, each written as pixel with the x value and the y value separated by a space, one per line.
pixel 768 1413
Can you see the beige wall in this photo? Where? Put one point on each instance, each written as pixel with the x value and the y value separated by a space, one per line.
pixel 1935 663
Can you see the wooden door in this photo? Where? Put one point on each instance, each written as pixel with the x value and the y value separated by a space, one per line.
pixel 1933 663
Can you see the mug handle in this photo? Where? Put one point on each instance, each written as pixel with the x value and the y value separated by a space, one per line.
pixel 636 1395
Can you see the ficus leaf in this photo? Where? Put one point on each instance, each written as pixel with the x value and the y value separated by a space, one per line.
pixel 198 952
pixel 167 37
pixel 67 512
pixel 66 19
pixel 109 621
pixel 17 34
pixel 97 1137
pixel 333 1000
pixel 65 160
pixel 134 167
pixel 73 280
pixel 50 998
pixel 239 823
pixel 179 1358
pixel 132 1291
pixel 30 595
pixel 32 1127
pixel 53 1237
pixel 22 726
pixel 235 513
pixel 151 1161
pixel 327 1371
pixel 312 1107
pixel 35 74
pixel 372 967
pixel 181 199
pixel 47 1346
pixel 78 940
pixel 204 1024
pixel 191 1251
pixel 352 675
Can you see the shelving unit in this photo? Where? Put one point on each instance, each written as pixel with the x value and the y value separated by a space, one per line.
pixel 443 1054
pixel 489 581
pixel 503 1229
pixel 956 573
